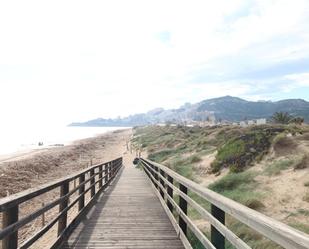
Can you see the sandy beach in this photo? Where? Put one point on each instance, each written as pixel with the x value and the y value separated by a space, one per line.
pixel 22 170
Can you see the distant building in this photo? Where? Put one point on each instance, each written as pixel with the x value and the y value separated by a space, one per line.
pixel 243 123
pixel 261 121
pixel 251 122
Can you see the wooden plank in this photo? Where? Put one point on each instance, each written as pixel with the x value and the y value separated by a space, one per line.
pixel 127 215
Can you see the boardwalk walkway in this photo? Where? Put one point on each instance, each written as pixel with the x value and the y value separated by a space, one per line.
pixel 127 215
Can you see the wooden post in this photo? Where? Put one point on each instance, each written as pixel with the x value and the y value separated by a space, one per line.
pixel 217 239
pixel 156 175
pixel 92 181
pixel 62 222
pixel 105 175
pixel 170 193
pixel 162 182
pixel 183 206
pixel 81 202
pixel 113 167
pixel 100 177
pixel 10 216
pixel 110 166
pixel 43 216
pixel 107 172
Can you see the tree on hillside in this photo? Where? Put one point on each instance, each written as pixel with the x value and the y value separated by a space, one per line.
pixel 297 120
pixel 285 118
pixel 281 117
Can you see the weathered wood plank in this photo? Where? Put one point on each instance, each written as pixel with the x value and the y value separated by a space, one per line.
pixel 127 215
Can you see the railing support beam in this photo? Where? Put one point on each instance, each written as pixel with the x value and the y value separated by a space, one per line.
pixel 62 223
pixel 170 193
pixel 81 202
pixel 100 176
pixel 184 206
pixel 162 182
pixel 10 216
pixel 92 181
pixel 105 175
pixel 217 239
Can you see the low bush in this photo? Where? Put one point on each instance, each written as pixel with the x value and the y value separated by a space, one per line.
pixel 193 159
pixel 300 226
pixel 303 162
pixel 251 237
pixel 241 151
pixel 239 187
pixel 276 167
pixel 283 145
pixel 161 155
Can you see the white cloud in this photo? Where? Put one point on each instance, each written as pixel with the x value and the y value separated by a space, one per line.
pixel 62 61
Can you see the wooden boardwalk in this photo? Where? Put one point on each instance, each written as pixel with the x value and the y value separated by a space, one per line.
pixel 127 215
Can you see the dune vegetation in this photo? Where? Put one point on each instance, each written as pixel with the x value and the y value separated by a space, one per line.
pixel 252 165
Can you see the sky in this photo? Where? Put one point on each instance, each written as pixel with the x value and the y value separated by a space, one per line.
pixel 65 61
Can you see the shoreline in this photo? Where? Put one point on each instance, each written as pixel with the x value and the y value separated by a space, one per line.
pixel 20 171
pixel 30 152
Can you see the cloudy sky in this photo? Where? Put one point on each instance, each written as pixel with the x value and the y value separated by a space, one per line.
pixel 63 61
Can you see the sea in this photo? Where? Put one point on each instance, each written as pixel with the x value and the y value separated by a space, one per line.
pixel 24 139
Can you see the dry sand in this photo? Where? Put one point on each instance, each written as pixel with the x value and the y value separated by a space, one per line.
pixel 22 171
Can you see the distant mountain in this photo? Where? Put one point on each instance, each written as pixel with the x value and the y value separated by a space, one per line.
pixel 224 108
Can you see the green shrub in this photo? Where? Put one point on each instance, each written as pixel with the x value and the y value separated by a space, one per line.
pixel 303 212
pixel 276 167
pixel 192 159
pixel 306 184
pixel 239 187
pixel 180 166
pixel 232 181
pixel 241 151
pixel 300 226
pixel 161 155
pixel 231 149
pixel 248 235
pixel 280 137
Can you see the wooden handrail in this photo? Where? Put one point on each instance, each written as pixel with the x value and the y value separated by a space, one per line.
pixel 164 180
pixel 28 194
pixel 9 206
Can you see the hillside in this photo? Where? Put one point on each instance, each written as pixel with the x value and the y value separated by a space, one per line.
pixel 263 167
pixel 224 108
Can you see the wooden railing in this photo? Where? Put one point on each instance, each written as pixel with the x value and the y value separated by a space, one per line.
pixel 94 179
pixel 165 181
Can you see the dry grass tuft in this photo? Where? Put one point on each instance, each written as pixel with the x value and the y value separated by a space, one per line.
pixel 303 162
pixel 284 145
